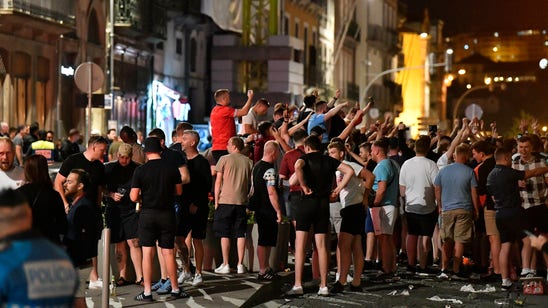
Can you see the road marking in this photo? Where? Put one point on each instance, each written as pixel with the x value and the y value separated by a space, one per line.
pixel 233 301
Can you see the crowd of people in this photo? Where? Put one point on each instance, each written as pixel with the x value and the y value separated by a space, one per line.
pixel 428 203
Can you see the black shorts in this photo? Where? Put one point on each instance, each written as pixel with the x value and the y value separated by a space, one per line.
pixel 479 224
pixel 195 223
pixel 267 228
pixel 313 212
pixel 217 154
pixel 123 224
pixel 293 202
pixel 157 226
pixel 353 219
pixel 510 228
pixel 536 219
pixel 422 224
pixel 230 221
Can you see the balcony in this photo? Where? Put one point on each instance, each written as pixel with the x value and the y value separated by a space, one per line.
pixel 54 16
pixel 141 19
pixel 383 38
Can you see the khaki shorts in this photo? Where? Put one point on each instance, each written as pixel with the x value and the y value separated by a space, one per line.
pixel 457 225
pixel 490 223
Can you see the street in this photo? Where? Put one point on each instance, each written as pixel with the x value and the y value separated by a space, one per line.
pixel 235 290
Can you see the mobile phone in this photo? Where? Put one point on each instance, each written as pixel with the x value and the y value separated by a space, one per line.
pixel 371 100
pixel 249 92
pixel 528 233
pixel 432 129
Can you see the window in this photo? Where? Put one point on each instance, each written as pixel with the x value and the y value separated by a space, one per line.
pixel 296 33
pixel 286 25
pixel 179 46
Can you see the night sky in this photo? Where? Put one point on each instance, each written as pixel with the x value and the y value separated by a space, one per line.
pixel 465 16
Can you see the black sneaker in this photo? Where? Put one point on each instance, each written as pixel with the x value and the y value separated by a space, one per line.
pixel 410 270
pixel 176 295
pixel 369 265
pixel 508 287
pixel 268 275
pixel 459 276
pixel 336 288
pixel 143 298
pixel 354 288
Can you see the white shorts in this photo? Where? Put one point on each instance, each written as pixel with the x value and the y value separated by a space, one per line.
pixel 335 215
pixel 384 219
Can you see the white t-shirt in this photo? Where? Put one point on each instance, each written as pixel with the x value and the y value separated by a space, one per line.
pixel 354 190
pixel 417 175
pixel 443 161
pixel 250 118
pixel 12 179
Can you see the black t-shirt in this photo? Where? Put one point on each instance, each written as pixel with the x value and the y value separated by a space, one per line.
pixel 483 172
pixel 502 184
pixel 156 179
pixel 197 190
pixel 118 176
pixel 319 171
pixel 264 174
pixel 69 148
pixel 177 147
pixel 96 171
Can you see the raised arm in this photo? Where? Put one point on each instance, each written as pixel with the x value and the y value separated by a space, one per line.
pixel 331 113
pixel 245 109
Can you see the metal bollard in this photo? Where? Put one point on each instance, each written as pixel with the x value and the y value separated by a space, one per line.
pixel 106 267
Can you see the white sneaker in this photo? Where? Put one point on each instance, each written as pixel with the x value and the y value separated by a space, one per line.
pixel 95 285
pixel 197 280
pixel 295 291
pixel 241 269
pixel 348 277
pixel 223 269
pixel 184 276
pixel 323 291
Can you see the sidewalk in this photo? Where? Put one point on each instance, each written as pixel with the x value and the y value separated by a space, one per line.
pixel 231 290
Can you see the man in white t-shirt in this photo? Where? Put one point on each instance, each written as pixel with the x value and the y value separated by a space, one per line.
pixel 353 219
pixel 11 176
pixel 417 177
pixel 250 121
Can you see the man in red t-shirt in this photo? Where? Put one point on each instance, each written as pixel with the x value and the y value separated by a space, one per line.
pixel 222 121
pixel 287 169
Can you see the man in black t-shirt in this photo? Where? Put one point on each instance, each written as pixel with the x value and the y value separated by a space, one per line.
pixel 195 205
pixel 268 213
pixel 120 214
pixel 315 173
pixel 89 161
pixel 155 184
pixel 502 185
pixel 175 159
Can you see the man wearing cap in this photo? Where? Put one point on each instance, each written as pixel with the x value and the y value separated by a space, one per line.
pixel 69 145
pixel 154 185
pixel 120 214
pixel 11 176
pixel 250 121
pixel 222 121
pixel 321 116
pixel 24 254
pixel 129 136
